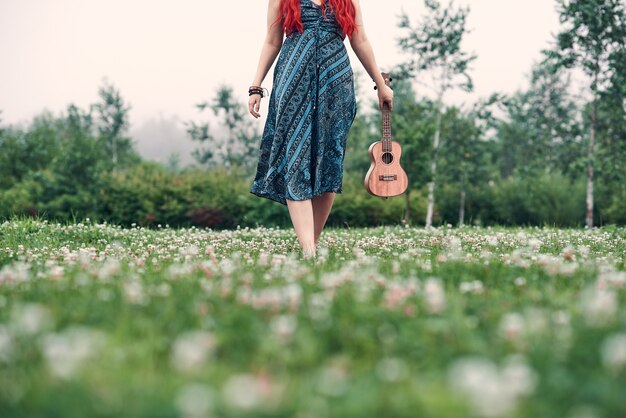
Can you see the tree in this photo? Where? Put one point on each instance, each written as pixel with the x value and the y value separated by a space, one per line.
pixel 112 123
pixel 412 124
pixel 593 40
pixel 541 130
pixel 435 47
pixel 238 146
pixel 468 155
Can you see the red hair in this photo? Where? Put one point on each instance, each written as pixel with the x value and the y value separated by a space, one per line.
pixel 344 12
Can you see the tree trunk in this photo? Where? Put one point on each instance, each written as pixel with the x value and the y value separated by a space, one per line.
pixel 462 206
pixel 590 156
pixel 433 164
pixel 407 207
pixel 114 152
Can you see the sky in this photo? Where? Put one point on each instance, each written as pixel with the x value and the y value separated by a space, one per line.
pixel 165 56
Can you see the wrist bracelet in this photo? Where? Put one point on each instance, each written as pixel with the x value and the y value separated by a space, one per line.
pixel 258 90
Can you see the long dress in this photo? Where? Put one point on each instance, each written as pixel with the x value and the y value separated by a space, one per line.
pixel 311 109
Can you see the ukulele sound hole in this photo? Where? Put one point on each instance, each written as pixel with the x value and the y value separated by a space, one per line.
pixel 387 157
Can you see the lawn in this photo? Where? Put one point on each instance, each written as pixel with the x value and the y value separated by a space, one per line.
pixel 102 321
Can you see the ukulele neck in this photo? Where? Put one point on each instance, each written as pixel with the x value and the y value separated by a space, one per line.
pixel 386 128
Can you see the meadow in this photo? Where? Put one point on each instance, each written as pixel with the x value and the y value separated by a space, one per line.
pixel 102 321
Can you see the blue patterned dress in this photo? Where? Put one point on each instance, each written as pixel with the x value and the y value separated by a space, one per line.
pixel 312 106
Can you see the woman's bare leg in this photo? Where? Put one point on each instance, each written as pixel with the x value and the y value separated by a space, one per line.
pixel 301 213
pixel 321 209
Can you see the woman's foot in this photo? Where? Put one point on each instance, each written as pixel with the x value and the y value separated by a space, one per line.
pixel 308 253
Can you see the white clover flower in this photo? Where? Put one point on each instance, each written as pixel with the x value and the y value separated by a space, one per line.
pixel 177 271
pixel 492 240
pixel 108 269
pixel 191 350
pixel 241 391
pixel 598 305
pixel 434 296
pixel 584 251
pixel 391 369
pixel 189 251
pixel 283 326
pixel 613 278
pixel 14 273
pixel 512 325
pixel 613 352
pixel 264 259
pixel 319 306
pixel 134 292
pixel 195 400
pixel 332 381
pixel 30 319
pixel 65 352
pixel 6 344
pixel 492 392
pixel 455 247
pixel 535 244
pixel 518 376
pixel 475 286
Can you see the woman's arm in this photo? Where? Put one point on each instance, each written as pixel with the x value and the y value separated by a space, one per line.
pixel 363 50
pixel 271 48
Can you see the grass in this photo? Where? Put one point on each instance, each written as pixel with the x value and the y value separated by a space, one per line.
pixel 100 321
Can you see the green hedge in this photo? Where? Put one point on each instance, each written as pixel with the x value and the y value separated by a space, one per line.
pixel 148 195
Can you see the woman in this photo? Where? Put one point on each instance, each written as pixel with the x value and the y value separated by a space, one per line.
pixel 312 106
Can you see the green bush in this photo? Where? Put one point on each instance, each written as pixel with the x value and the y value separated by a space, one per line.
pixel 548 199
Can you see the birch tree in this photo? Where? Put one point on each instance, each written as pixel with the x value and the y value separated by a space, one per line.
pixel 434 47
pixel 593 37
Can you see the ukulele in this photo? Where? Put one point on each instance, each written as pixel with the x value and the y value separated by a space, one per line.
pixel 385 177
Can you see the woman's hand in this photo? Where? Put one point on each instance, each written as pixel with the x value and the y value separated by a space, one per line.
pixel 385 95
pixel 254 104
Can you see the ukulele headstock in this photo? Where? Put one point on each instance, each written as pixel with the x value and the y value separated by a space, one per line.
pixel 387 78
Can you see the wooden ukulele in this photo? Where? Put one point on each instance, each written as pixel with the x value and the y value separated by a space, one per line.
pixel 385 177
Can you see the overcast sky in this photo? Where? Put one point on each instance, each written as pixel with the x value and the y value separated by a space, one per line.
pixel 167 55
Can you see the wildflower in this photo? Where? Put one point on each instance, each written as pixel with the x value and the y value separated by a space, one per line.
pixel 598 305
pixel 475 286
pixel 195 400
pixel 65 352
pixel 134 292
pixel 613 352
pixel 391 369
pixel 6 344
pixel 241 391
pixel 332 380
pixel 512 325
pixel 435 297
pixel 283 326
pixel 492 392
pixel 31 318
pixel 191 350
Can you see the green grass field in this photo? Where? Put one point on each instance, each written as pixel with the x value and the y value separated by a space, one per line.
pixel 100 321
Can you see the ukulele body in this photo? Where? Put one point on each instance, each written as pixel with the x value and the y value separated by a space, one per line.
pixel 385 177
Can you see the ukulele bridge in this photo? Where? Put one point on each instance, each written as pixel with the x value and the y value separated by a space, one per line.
pixel 388 177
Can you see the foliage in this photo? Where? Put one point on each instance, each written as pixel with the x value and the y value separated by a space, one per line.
pixel 238 146
pixel 594 40
pixel 112 122
pixel 541 128
pixel 434 46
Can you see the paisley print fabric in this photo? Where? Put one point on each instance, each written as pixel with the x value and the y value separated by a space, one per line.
pixel 311 109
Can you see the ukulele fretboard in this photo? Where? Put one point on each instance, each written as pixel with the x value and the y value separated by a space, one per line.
pixel 386 129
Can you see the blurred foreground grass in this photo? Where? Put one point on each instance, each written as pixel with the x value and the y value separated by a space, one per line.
pixel 100 321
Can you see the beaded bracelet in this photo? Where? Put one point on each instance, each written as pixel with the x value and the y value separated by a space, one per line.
pixel 257 90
